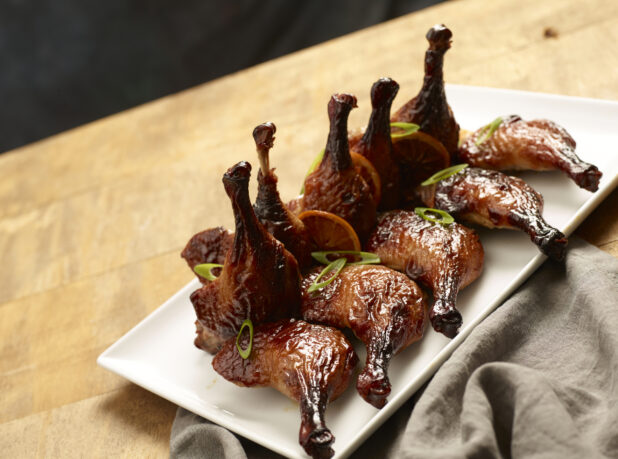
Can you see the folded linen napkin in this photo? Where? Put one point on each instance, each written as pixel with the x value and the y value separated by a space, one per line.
pixel 537 379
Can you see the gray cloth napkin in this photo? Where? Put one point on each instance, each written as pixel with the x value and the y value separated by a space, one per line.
pixel 537 379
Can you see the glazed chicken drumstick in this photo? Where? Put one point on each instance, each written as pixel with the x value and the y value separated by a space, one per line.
pixel 444 258
pixel 495 200
pixel 270 210
pixel 383 308
pixel 311 364
pixel 259 279
pixel 376 145
pixel 429 109
pixel 538 145
pixel 336 185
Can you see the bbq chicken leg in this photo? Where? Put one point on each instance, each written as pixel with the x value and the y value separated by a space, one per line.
pixel 429 109
pixel 311 364
pixel 376 145
pixel 443 258
pixel 336 185
pixel 270 210
pixel 538 145
pixel 259 279
pixel 495 200
pixel 383 308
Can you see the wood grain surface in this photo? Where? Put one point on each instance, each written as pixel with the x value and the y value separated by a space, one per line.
pixel 92 220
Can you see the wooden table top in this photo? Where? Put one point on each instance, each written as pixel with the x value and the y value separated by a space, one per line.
pixel 92 220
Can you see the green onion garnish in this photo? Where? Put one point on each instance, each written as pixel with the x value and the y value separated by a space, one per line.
pixel 488 130
pixel 244 353
pixel 444 173
pixel 205 270
pixel 314 165
pixel 425 212
pixel 366 258
pixel 335 266
pixel 408 128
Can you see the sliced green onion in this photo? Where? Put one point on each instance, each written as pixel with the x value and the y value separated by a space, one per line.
pixel 408 129
pixel 487 131
pixel 335 266
pixel 205 270
pixel 314 166
pixel 366 258
pixel 444 173
pixel 425 212
pixel 245 353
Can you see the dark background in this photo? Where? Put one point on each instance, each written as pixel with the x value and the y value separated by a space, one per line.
pixel 68 62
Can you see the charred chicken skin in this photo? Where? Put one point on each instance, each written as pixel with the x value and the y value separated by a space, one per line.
pixel 311 364
pixel 443 258
pixel 270 210
pixel 336 185
pixel 209 246
pixel 383 308
pixel 538 145
pixel 429 109
pixel 259 279
pixel 376 145
pixel 496 200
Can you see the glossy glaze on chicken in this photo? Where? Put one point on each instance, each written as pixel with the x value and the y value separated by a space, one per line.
pixel 496 200
pixel 444 258
pixel 209 246
pixel 259 279
pixel 376 145
pixel 383 308
pixel 430 109
pixel 336 185
pixel 539 145
pixel 270 210
pixel 311 364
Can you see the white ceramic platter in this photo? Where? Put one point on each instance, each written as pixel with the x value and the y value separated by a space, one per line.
pixel 158 354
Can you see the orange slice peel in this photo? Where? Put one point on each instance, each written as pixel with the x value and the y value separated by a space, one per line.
pixel 421 154
pixel 329 231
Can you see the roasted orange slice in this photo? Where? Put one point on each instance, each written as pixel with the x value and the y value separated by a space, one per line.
pixel 369 173
pixel 329 231
pixel 420 155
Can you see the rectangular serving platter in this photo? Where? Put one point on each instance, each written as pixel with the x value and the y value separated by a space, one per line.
pixel 158 354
